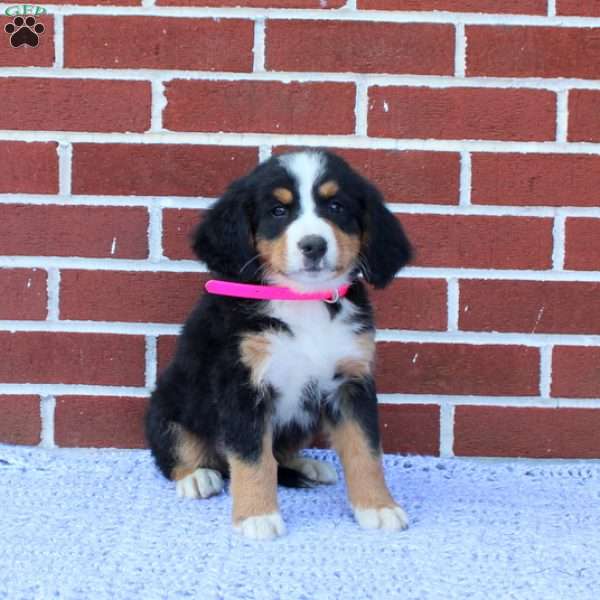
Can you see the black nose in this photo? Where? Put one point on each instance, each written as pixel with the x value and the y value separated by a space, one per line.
pixel 313 246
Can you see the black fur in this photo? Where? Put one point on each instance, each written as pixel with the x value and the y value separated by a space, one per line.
pixel 207 389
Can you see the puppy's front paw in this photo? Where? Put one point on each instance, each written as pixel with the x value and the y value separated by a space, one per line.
pixel 202 483
pixel 391 518
pixel 261 527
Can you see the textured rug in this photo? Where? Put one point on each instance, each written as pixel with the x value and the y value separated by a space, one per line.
pixel 99 524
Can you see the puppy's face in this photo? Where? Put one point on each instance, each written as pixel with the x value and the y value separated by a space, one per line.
pixel 305 220
pixel 308 226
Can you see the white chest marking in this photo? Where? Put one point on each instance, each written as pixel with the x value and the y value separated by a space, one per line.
pixel 309 355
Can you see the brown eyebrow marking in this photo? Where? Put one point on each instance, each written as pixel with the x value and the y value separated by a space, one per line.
pixel 329 189
pixel 284 195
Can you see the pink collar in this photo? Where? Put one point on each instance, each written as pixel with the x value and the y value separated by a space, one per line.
pixel 270 292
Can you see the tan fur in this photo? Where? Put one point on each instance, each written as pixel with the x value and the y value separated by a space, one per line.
pixel 254 484
pixel 274 253
pixel 358 368
pixel 284 195
pixel 328 189
pixel 362 467
pixel 353 368
pixel 190 452
pixel 348 247
pixel 255 353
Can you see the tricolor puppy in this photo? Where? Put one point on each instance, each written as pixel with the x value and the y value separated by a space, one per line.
pixel 282 346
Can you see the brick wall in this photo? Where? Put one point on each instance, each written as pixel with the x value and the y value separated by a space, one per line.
pixel 479 119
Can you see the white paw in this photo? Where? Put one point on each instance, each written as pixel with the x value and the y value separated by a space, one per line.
pixel 202 483
pixel 391 519
pixel 262 527
pixel 317 470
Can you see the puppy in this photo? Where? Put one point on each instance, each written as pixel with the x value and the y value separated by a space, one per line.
pixel 260 369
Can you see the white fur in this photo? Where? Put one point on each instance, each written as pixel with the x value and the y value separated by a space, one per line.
pixel 306 169
pixel 390 519
pixel 261 527
pixel 317 470
pixel 202 483
pixel 310 354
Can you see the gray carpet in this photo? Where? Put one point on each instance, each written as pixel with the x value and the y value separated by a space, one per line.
pixel 99 524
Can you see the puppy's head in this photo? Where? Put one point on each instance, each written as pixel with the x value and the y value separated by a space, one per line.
pixel 305 220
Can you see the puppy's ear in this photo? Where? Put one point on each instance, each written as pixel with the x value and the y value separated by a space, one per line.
pixel 224 239
pixel 385 247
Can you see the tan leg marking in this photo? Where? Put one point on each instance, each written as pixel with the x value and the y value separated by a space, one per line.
pixel 274 253
pixel 362 467
pixel 373 505
pixel 197 472
pixel 255 353
pixel 359 367
pixel 254 485
pixel 190 452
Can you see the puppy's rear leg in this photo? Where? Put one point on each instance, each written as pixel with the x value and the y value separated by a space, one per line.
pixel 195 471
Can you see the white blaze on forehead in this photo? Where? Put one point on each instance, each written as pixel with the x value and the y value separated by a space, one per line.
pixel 306 169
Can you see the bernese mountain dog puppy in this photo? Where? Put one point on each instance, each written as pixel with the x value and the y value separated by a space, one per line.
pixel 254 378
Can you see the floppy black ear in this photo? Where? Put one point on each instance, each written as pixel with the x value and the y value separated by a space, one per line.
pixel 385 247
pixel 224 239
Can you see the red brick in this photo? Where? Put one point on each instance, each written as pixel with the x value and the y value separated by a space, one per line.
pixel 20 421
pixel 412 304
pixel 74 104
pixel 410 428
pixel 576 372
pixel 90 231
pixel 260 107
pixel 28 168
pixel 419 48
pixel 583 8
pixel 257 3
pixel 165 350
pixel 526 432
pixel 70 358
pixel 26 56
pixel 462 113
pixel 23 293
pixel 530 306
pixel 178 225
pixel 480 242
pixel 137 297
pixel 505 51
pixel 99 422
pixel 523 7
pixel 536 179
pixel 158 169
pixel 457 369
pixel 453 369
pixel 582 244
pixel 409 176
pixel 584 108
pixel 123 42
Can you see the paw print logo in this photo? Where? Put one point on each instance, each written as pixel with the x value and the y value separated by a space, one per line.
pixel 24 31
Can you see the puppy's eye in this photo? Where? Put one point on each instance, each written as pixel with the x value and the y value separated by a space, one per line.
pixel 279 211
pixel 335 207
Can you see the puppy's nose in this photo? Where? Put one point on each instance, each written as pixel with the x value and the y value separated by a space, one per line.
pixel 313 246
